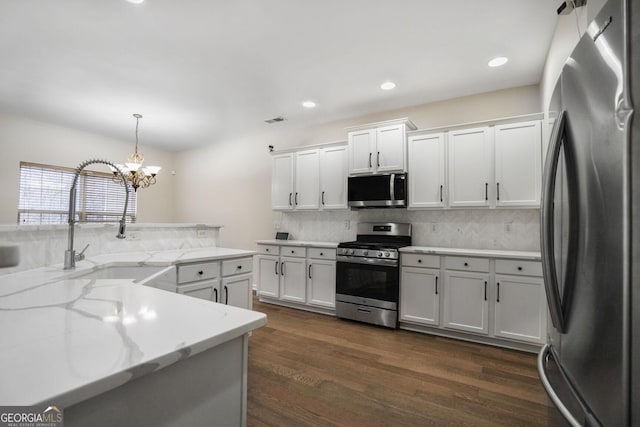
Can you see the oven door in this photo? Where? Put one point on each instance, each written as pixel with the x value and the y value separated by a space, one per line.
pixel 366 283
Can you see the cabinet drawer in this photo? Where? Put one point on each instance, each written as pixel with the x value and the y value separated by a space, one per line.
pixel 194 272
pixel 418 260
pixel 322 253
pixel 525 268
pixel 237 266
pixel 466 263
pixel 269 249
pixel 293 251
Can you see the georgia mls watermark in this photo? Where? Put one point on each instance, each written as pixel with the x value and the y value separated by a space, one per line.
pixel 31 416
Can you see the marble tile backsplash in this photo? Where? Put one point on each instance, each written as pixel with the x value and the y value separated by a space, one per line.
pixel 45 245
pixel 512 229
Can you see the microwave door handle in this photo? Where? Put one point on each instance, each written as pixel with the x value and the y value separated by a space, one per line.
pixel 546 221
pixel 392 187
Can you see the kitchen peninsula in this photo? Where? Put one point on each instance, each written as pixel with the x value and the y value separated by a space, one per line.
pixel 112 351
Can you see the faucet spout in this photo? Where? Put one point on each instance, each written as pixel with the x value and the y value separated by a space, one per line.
pixel 70 256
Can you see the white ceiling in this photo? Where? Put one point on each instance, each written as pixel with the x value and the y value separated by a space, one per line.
pixel 201 70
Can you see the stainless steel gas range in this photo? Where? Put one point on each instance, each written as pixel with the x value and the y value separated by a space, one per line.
pixel 368 273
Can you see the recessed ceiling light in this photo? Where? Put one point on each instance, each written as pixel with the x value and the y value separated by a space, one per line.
pixel 387 85
pixel 498 61
pixel 135 1
pixel 308 104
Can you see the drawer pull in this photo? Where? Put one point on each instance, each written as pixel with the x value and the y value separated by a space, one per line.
pixel 267 250
pixel 200 273
pixel 419 261
pixel 321 253
pixel 239 267
pixel 466 264
pixel 293 252
pixel 519 268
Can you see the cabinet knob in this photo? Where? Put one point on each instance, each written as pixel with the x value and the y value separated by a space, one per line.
pixel 200 273
pixel 239 267
pixel 293 252
pixel 419 261
pixel 519 268
pixel 321 253
pixel 466 264
pixel 267 249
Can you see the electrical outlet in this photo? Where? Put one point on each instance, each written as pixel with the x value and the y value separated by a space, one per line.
pixel 204 233
pixel 508 226
pixel 276 225
pixel 347 225
pixel 435 227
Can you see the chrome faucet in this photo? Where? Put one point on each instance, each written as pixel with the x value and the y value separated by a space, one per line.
pixel 70 256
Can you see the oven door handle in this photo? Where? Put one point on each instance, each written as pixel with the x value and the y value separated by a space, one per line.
pixel 367 261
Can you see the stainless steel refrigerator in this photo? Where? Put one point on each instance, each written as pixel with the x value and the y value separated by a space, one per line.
pixel 589 226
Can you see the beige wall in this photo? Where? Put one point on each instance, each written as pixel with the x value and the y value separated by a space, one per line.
pixel 228 182
pixel 22 139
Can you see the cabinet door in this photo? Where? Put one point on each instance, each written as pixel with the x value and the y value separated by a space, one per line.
pixel 268 276
pixel 362 145
pixel 236 291
pixel 420 295
pixel 321 276
pixel 426 171
pixel 520 308
pixel 469 165
pixel 390 155
pixel 307 183
pixel 333 177
pixel 466 306
pixel 204 290
pixel 282 182
pixel 518 164
pixel 293 284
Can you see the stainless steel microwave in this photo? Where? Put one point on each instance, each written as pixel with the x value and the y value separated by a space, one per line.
pixel 378 191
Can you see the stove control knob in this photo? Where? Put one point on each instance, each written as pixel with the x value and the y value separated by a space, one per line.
pixel 350 251
pixel 365 253
pixel 379 254
pixel 387 254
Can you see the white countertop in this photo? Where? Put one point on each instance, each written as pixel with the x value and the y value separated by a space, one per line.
pixel 66 340
pixel 490 253
pixel 298 243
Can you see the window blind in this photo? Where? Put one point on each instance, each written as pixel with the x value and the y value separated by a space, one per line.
pixel 44 196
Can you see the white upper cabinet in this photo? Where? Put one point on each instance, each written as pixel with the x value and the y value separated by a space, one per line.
pixel 390 149
pixel 307 182
pixel 362 145
pixel 469 167
pixel 380 148
pixel 518 154
pixel 427 171
pixel 333 177
pixel 282 182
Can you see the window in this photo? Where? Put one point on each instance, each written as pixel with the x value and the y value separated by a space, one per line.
pixel 44 196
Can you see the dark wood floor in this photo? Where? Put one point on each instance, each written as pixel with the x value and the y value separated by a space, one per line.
pixel 316 370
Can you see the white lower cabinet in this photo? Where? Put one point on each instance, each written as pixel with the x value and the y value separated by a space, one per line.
pixel 466 304
pixel 520 308
pixel 226 282
pixel 292 279
pixel 420 296
pixel 321 283
pixel 496 301
pixel 302 276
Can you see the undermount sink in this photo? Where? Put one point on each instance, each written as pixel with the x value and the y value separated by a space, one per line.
pixel 132 272
pixel 9 256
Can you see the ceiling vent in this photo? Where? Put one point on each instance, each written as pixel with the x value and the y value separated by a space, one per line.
pixel 276 120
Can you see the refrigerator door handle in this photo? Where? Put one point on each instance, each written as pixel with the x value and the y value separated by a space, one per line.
pixel 542 356
pixel 546 223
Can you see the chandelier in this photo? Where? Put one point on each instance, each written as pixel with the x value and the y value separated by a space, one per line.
pixel 137 175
